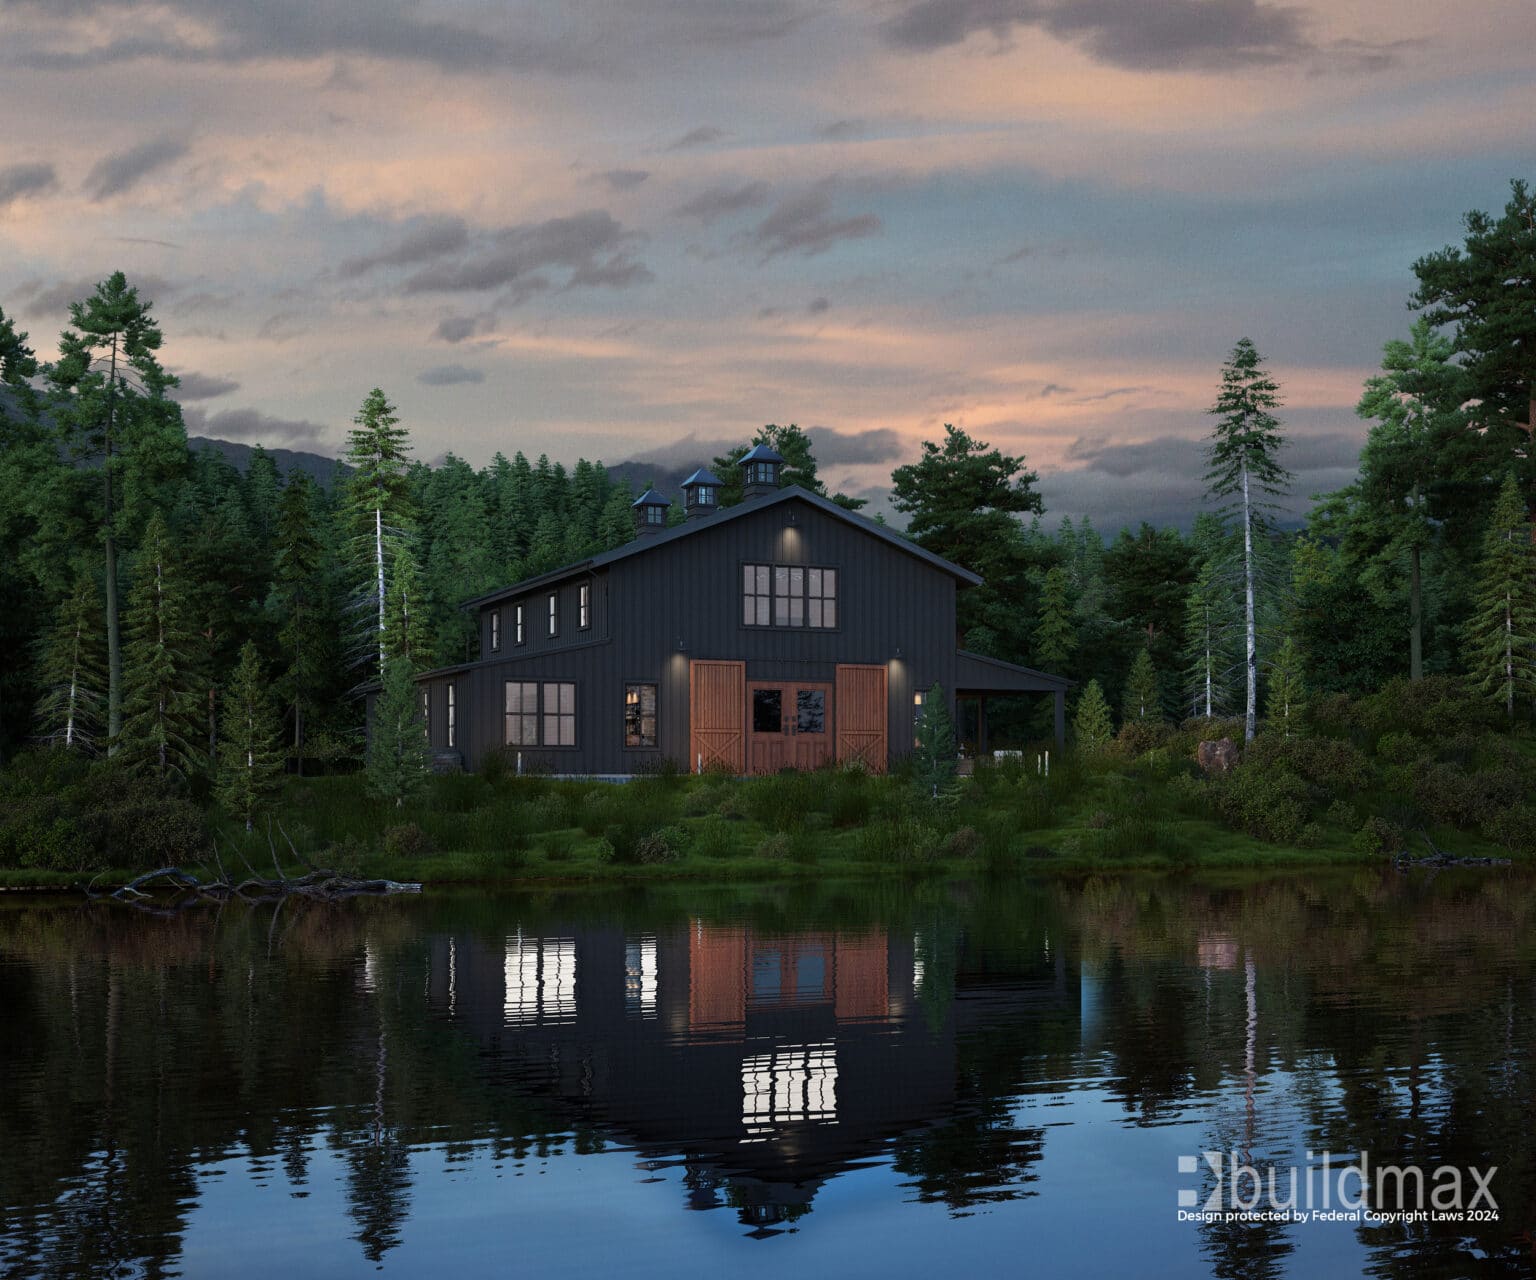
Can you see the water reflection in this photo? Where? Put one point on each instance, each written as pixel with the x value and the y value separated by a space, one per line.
pixel 387 1082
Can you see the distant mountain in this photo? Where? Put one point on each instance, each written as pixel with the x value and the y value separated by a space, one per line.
pixel 324 470
pixel 668 481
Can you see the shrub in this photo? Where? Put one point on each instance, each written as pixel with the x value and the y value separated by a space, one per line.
pixel 1343 814
pixel 711 837
pixel 665 844
pixel 1269 803
pixel 963 843
pixel 1399 747
pixel 550 812
pixel 1137 737
pixel 406 840
pixel 558 846
pixel 1334 766
pixel 1379 836
pixel 1514 828
pixel 775 847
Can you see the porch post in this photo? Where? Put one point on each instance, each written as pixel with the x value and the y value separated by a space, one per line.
pixel 981 726
pixel 1061 717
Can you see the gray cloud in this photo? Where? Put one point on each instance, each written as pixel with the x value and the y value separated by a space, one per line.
pixel 53 300
pixel 818 306
pixel 19 180
pixel 842 130
pixel 428 238
pixel 112 175
pixel 624 179
pixel 458 328
pixel 1204 35
pixel 700 137
pixel 592 246
pixel 250 426
pixel 804 224
pixel 283 326
pixel 201 386
pixel 719 201
pixel 1175 457
pixel 832 447
pixel 447 375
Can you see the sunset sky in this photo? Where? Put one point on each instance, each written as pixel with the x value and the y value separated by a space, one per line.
pixel 643 228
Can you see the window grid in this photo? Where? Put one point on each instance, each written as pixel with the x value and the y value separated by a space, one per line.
pixel 517 618
pixel 426 706
pixel 522 713
pixel 784 595
pixel 584 606
pixel 639 715
pixel 453 722
pixel 559 714
pixel 495 630
pixel 554 614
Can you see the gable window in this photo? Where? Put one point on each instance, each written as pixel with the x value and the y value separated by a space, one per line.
pixel 495 630
pixel 519 635
pixel 522 713
pixel 655 513
pixel 785 595
pixel 639 715
pixel 559 715
pixel 453 722
pixel 584 606
pixel 760 473
pixel 554 614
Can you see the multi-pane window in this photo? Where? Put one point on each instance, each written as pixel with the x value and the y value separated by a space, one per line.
pixel 453 720
pixel 760 473
pixel 639 715
pixel 559 715
pixel 584 606
pixel 655 514
pixel 426 705
pixel 554 614
pixel 522 713
pixel 517 624
pixel 704 496
pixel 784 595
pixel 495 630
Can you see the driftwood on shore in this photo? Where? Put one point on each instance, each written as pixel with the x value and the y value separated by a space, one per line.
pixel 1438 857
pixel 318 883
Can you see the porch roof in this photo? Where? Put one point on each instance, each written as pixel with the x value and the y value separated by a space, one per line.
pixel 975 673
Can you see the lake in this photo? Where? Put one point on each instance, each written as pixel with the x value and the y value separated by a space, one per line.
pixel 896 1078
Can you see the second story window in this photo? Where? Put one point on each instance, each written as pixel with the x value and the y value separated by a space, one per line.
pixel 518 634
pixel 584 606
pixel 453 719
pixel 495 630
pixel 426 706
pixel 554 614
pixel 783 595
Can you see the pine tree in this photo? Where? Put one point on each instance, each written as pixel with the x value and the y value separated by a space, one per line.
pixel 1091 725
pixel 1501 633
pixel 73 672
pixel 301 598
pixel 1056 632
pixel 399 759
pixel 1245 468
pixel 1209 627
pixel 161 710
pixel 1143 699
pixel 250 764
pixel 1287 692
pixel 379 508
pixel 407 632
pixel 933 757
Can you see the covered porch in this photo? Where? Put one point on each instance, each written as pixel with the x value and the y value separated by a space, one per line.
pixel 979 679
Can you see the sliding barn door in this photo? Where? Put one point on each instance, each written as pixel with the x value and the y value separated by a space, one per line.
pixel 717 706
pixel 860 706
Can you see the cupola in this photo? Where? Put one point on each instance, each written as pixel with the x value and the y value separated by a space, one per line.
pixel 701 494
pixel 650 510
pixel 760 471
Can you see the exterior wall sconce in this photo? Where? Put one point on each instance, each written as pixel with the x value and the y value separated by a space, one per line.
pixel 791 518
pixel 681 647
pixel 897 654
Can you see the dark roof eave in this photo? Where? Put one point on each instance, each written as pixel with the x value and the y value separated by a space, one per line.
pixel 1033 681
pixel 529 584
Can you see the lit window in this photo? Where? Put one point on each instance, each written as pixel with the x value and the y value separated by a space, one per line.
pixel 704 496
pixel 554 614
pixel 655 514
pixel 788 596
pixel 584 606
pixel 821 597
pixel 426 705
pixel 756 598
pixel 453 722
pixel 522 713
pixel 559 715
pixel 639 715
pixel 517 621
pixel 784 595
pixel 495 630
pixel 918 699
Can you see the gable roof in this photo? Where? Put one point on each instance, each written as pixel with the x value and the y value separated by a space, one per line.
pixel 790 493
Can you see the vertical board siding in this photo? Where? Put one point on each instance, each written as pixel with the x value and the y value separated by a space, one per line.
pixel 717 713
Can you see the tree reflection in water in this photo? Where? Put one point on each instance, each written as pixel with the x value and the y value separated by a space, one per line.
pixel 750 1050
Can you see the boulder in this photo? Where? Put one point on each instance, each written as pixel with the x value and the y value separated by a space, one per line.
pixel 1218 756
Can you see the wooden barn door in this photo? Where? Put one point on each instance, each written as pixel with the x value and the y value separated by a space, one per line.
pixel 717 701
pixel 861 715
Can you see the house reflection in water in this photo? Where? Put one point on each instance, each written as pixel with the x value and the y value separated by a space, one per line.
pixel 770 1063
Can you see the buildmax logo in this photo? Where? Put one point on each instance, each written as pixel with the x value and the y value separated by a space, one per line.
pixel 1334 1189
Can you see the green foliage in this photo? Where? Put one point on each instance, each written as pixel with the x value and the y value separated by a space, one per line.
pixel 379 512
pixel 1055 638
pixel 1143 698
pixel 407 840
pixel 406 631
pixel 1091 726
pixel 1210 628
pixel 1268 802
pixel 1287 692
pixel 1501 632
pixel 73 672
pixel 398 763
pixel 250 765
pixel 933 758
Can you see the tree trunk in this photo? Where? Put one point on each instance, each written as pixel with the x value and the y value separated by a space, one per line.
pixel 1415 617
pixel 1509 655
pixel 298 734
pixel 378 556
pixel 114 632
pixel 1250 720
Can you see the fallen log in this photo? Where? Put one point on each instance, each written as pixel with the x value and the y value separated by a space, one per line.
pixel 320 884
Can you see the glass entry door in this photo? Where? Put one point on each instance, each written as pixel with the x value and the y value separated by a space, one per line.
pixel 789 725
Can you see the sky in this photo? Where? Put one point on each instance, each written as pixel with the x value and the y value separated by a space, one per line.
pixel 643 228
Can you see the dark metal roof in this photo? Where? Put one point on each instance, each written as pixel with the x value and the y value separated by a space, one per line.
pixel 975 673
pixel 650 498
pixel 701 476
pixel 696 526
pixel 761 453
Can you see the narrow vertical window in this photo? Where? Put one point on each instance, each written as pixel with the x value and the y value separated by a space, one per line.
pixel 757 595
pixel 559 715
pixel 495 630
pixel 426 706
pixel 517 624
pixel 821 597
pixel 554 614
pixel 584 606
pixel 522 713
pixel 918 699
pixel 639 715
pixel 453 723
